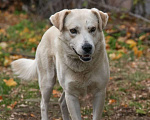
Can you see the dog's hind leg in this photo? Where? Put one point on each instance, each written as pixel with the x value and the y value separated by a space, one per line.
pixel 47 79
pixel 63 106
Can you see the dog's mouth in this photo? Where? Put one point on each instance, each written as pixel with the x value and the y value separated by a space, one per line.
pixel 84 58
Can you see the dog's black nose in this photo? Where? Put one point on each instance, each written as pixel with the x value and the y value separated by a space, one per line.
pixel 87 47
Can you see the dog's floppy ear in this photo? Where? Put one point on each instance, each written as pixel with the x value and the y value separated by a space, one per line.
pixel 58 19
pixel 102 18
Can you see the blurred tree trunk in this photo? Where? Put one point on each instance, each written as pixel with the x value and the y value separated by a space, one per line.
pixel 47 7
pixel 122 4
pixel 138 7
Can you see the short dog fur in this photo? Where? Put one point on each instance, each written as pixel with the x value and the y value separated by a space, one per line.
pixel 73 50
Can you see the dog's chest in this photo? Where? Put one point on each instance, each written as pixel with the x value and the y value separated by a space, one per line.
pixel 83 88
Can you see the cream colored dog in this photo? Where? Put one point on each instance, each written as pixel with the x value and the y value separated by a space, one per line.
pixel 74 51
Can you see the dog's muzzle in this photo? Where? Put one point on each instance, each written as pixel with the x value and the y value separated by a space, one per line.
pixel 85 57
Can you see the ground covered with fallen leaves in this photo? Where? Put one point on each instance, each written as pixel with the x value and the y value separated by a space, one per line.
pixel 128 48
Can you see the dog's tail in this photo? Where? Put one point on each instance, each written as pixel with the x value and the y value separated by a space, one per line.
pixel 25 68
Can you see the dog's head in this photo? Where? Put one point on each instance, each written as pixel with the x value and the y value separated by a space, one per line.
pixel 81 30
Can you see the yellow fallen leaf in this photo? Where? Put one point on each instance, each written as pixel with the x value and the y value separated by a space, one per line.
pixel 111 101
pixel 38 37
pixel 123 50
pixel 128 35
pixel 25 16
pixel 9 107
pixel 134 65
pixel 12 105
pixel 119 56
pixel 47 26
pixel 7 61
pixel 104 111
pixel 118 46
pixel 107 46
pixel 14 57
pixel 26 30
pixel 131 42
pixel 137 52
pixel 110 30
pixel 56 93
pixel 32 115
pixel 132 29
pixel 10 82
pixel 32 40
pixel 107 38
pixel 10 49
pixel 21 33
pixel 143 37
pixel 125 105
pixel 122 27
pixel 33 50
pixel 121 39
pixel 3 45
pixel 114 56
pixel 3 31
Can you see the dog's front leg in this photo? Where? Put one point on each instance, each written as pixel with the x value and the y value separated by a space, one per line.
pixel 73 106
pixel 98 104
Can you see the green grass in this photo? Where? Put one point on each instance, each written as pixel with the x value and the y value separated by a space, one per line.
pixel 22 38
pixel 138 76
pixel 22 32
pixel 5 92
pixel 15 94
pixel 28 92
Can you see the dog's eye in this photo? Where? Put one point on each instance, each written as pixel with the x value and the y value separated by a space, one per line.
pixel 73 31
pixel 93 29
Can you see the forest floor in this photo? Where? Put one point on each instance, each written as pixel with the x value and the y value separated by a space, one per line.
pixel 128 48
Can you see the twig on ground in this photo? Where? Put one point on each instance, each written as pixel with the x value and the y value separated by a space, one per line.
pixel 145 29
